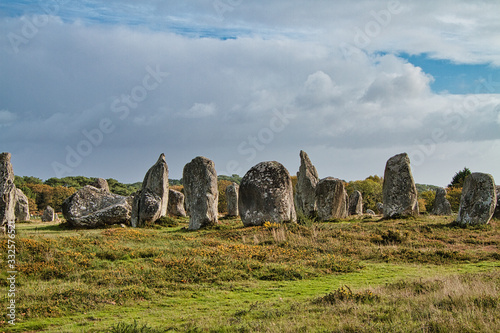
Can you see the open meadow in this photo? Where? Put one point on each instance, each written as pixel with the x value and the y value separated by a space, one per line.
pixel 357 275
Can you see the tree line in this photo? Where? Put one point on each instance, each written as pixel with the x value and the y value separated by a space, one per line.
pixel 54 191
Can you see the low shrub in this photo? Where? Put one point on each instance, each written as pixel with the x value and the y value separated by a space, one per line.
pixel 345 294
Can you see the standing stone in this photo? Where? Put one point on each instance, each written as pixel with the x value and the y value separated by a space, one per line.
pixel 200 187
pixel 478 200
pixel 151 202
pixel 176 203
pixel 497 209
pixel 49 215
pixel 92 207
pixel 7 190
pixel 266 194
pixel 399 191
pixel 232 199
pixel 356 203
pixel 441 205
pixel 22 209
pixel 307 179
pixel 380 207
pixel 101 183
pixel 331 199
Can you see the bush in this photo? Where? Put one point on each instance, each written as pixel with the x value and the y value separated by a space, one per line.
pixel 344 294
pixel 391 237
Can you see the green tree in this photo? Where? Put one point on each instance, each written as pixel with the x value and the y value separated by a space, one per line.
pixel 370 188
pixel 122 189
pixel 459 178
pixel 233 178
pixel 20 181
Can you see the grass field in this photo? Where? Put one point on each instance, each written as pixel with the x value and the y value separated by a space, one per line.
pixel 359 275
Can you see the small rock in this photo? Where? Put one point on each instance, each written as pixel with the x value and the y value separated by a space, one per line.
pixel 176 203
pixel 356 203
pixel 101 183
pixel 232 199
pixel 49 215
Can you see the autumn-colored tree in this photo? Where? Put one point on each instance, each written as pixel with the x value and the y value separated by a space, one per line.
pixel 178 188
pixel 426 201
pixel 221 185
pixel 453 195
pixel 294 184
pixel 45 195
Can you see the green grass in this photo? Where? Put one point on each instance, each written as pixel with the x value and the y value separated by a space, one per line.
pixel 357 275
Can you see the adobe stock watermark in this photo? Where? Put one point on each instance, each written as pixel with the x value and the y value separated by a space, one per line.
pixel 11 272
pixel 31 26
pixel 253 144
pixel 223 6
pixel 454 121
pixel 371 30
pixel 121 108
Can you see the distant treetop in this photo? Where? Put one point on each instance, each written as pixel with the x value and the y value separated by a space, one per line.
pixel 459 178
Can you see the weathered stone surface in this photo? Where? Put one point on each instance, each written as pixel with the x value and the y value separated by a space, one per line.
pixel 101 183
pixel 380 207
pixel 22 209
pixel 7 190
pixel 266 194
pixel 331 199
pixel 399 191
pixel 307 179
pixel 176 203
pixel 151 202
pixel 441 205
pixel 496 214
pixel 200 188
pixel 49 215
pixel 478 200
pixel 355 203
pixel 232 199
pixel 91 207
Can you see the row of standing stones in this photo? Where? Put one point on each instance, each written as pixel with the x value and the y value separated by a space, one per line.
pixel 265 194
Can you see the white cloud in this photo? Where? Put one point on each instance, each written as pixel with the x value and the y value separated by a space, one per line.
pixel 199 110
pixel 220 93
pixel 6 117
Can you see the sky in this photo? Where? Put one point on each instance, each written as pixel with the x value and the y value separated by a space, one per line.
pixel 102 88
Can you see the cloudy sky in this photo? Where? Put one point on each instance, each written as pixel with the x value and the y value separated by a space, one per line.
pixel 102 88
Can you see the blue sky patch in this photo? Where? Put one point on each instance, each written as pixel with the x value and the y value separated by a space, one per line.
pixel 457 78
